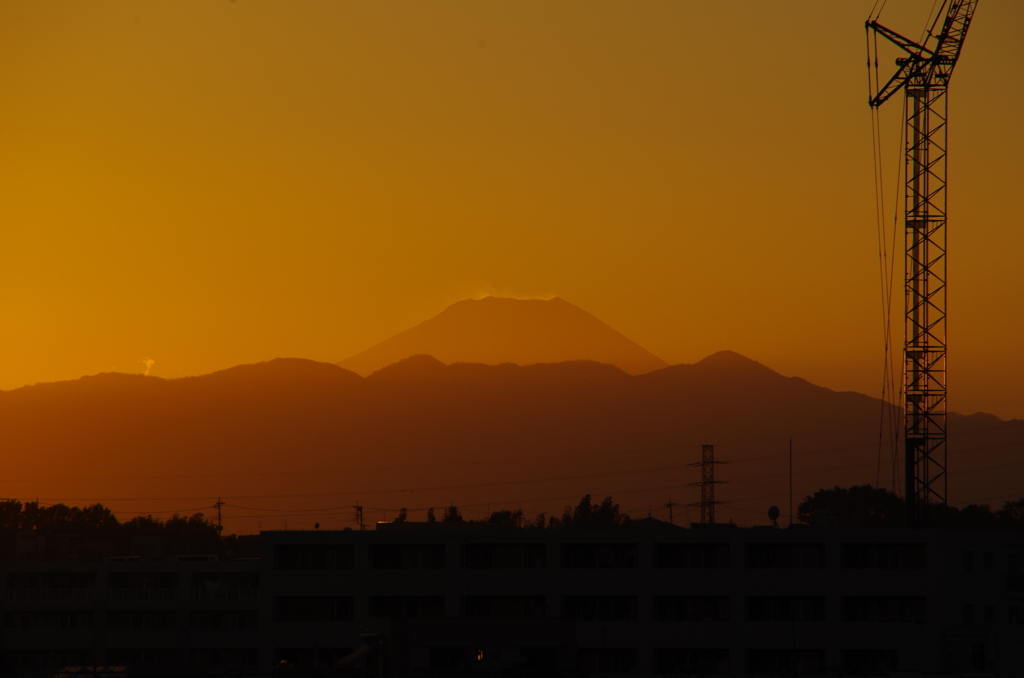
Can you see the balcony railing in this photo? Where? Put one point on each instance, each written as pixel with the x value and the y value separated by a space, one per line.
pixel 238 593
pixel 142 594
pixel 50 594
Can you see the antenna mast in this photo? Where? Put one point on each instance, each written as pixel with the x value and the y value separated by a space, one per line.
pixel 924 76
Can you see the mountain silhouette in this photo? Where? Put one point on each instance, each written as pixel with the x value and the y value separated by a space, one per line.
pixel 291 442
pixel 495 330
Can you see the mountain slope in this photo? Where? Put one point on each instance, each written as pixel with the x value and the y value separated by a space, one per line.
pixel 494 331
pixel 294 441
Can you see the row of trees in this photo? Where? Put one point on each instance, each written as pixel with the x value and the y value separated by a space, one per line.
pixel 875 507
pixel 860 506
pixel 98 524
pixel 93 520
pixel 586 514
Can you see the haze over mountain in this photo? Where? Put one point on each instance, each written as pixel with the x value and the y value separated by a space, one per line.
pixel 496 330
pixel 296 442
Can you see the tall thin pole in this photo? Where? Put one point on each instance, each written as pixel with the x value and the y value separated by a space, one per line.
pixel 220 523
pixel 790 480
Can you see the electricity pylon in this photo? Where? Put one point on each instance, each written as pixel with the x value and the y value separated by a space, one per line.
pixel 707 484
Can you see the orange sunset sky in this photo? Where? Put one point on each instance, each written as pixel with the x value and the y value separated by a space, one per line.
pixel 205 183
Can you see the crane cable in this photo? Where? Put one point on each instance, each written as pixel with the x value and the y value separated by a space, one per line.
pixel 886 268
pixel 873 16
pixel 872 55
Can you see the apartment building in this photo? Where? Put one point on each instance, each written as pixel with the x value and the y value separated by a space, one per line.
pixel 433 600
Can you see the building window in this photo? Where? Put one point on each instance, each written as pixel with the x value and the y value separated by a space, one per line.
pixel 785 662
pixel 607 660
pixel 51 586
pixel 878 609
pixel 505 607
pixel 691 608
pixel 311 656
pixel 695 662
pixel 407 556
pixel 539 661
pixel 407 607
pixel 1015 617
pixel 597 556
pixel 141 619
pixel 786 556
pixel 505 556
pixel 868 662
pixel 224 657
pixel 313 556
pixel 785 609
pixel 225 585
pixel 313 608
pixel 136 656
pixel 47 659
pixel 222 619
pixel 979 657
pixel 691 556
pixel 968 561
pixel 450 657
pixel 884 556
pixel 599 608
pixel 142 585
pixel 48 620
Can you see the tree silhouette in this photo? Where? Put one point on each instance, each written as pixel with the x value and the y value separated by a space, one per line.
pixel 506 518
pixel 588 515
pixel 1012 514
pixel 858 506
pixel 973 517
pixel 452 515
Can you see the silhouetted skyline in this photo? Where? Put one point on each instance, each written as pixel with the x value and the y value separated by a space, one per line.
pixel 289 437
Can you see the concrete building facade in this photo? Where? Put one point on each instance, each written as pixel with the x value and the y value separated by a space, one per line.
pixel 437 601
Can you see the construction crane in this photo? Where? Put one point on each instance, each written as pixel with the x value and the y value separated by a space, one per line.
pixel 924 74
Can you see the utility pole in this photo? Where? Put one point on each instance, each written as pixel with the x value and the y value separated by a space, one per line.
pixel 669 505
pixel 924 74
pixel 791 480
pixel 220 522
pixel 707 484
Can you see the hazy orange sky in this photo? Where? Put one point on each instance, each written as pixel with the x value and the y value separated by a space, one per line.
pixel 206 183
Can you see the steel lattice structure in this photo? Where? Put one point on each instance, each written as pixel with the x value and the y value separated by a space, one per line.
pixel 924 76
pixel 707 484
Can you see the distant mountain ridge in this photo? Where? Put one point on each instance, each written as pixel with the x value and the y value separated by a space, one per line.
pixel 296 440
pixel 496 330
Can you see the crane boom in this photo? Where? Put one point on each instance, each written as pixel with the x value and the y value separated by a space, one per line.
pixel 924 76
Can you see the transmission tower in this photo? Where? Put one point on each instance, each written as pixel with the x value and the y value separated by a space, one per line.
pixel 707 484
pixel 359 516
pixel 924 74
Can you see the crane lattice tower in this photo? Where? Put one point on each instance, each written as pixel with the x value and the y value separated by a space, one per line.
pixel 923 75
